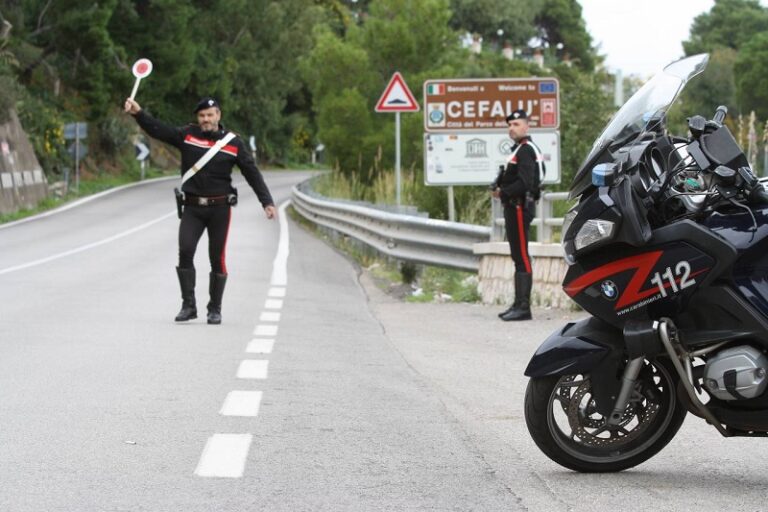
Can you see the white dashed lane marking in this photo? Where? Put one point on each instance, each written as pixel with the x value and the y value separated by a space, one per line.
pixel 241 403
pixel 265 330
pixel 253 369
pixel 269 316
pixel 260 346
pixel 224 456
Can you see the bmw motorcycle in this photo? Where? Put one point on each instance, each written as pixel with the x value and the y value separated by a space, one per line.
pixel 667 250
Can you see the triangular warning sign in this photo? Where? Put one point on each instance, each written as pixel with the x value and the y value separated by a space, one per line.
pixel 397 97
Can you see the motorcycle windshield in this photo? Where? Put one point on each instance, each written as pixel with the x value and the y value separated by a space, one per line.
pixel 643 108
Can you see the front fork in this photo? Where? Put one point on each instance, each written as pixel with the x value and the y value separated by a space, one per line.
pixel 628 380
pixel 679 355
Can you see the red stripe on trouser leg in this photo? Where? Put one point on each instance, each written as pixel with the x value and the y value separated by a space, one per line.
pixel 523 241
pixel 224 247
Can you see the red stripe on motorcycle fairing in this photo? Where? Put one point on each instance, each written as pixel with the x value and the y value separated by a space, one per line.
pixel 642 264
pixel 523 241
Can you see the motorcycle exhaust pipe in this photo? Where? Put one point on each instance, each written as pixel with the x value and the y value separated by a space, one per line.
pixel 665 327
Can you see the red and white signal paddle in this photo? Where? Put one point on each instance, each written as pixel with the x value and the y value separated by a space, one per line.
pixel 141 69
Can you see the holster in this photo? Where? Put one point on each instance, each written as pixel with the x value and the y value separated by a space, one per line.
pixel 179 201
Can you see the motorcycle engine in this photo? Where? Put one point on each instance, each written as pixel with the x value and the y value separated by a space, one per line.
pixel 736 373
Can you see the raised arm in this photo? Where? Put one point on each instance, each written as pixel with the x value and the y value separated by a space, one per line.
pixel 152 126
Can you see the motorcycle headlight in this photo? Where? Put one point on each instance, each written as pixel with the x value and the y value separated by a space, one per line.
pixel 593 231
pixel 568 220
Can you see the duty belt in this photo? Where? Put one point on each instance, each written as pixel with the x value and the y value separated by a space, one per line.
pixel 191 200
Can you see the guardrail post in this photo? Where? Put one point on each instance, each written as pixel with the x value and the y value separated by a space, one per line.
pixel 497 220
pixel 543 213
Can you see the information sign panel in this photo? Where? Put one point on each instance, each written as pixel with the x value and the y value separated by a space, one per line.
pixel 482 104
pixel 474 158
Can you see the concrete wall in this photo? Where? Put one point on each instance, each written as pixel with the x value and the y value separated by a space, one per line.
pixel 496 274
pixel 22 182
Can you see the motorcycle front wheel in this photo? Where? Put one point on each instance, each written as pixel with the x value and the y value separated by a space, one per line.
pixel 562 420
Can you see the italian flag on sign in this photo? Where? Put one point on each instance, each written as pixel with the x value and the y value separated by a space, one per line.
pixel 436 89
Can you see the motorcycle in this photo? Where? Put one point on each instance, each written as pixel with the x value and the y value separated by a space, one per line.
pixel 667 250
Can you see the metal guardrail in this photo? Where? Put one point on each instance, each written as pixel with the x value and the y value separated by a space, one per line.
pixel 406 237
pixel 544 221
pixel 415 238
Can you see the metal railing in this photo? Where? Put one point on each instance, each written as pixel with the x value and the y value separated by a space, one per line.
pixel 406 237
pixel 544 220
pixel 414 238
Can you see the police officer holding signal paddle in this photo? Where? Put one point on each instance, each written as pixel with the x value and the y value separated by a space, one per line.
pixel 208 153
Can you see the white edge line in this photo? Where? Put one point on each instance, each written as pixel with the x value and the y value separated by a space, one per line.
pixel 84 200
pixel 87 246
pixel 280 263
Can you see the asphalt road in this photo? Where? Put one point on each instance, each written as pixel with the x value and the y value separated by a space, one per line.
pixel 318 392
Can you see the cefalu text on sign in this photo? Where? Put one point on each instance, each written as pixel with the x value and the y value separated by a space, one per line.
pixel 483 104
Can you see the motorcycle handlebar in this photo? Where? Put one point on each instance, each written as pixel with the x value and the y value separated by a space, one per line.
pixel 758 195
pixel 720 114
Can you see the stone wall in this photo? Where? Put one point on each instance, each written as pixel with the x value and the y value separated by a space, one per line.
pixel 22 182
pixel 497 271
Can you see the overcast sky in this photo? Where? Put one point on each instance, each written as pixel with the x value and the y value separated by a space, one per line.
pixel 641 36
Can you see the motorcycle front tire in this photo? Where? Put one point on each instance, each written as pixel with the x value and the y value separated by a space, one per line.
pixel 569 451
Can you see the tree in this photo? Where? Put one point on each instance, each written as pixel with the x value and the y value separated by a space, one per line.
pixel 173 50
pixel 347 72
pixel 729 24
pixel 406 35
pixel 560 22
pixel 586 107
pixel 715 86
pixel 751 71
pixel 263 55
pixel 77 40
pixel 487 17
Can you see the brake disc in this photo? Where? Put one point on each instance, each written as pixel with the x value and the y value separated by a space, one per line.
pixel 581 417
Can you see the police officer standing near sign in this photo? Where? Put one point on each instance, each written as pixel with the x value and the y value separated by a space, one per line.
pixel 208 153
pixel 518 188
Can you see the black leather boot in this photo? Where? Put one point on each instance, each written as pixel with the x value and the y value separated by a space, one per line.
pixel 216 289
pixel 514 305
pixel 523 285
pixel 187 283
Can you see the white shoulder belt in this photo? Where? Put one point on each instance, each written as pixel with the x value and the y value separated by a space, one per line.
pixel 207 156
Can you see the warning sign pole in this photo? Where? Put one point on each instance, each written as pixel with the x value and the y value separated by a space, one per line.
pixel 397 98
pixel 397 158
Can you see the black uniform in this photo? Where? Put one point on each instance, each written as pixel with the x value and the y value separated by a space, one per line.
pixel 207 205
pixel 213 181
pixel 516 184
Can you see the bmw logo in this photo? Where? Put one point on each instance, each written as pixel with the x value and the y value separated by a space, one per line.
pixel 609 290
